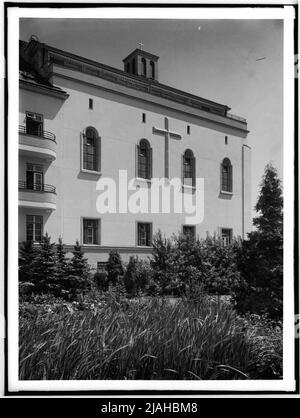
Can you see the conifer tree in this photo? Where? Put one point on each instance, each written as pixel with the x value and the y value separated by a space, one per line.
pixel 62 261
pixel 45 266
pixel 260 260
pixel 79 264
pixel 27 254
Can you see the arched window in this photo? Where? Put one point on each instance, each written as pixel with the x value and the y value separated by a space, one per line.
pixel 133 66
pixel 144 67
pixel 189 168
pixel 152 70
pixel 226 175
pixel 91 150
pixel 144 160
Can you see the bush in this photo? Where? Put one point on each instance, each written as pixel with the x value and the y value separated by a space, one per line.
pixel 114 267
pixel 100 279
pixel 183 266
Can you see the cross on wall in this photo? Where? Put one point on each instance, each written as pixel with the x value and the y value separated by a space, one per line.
pixel 167 134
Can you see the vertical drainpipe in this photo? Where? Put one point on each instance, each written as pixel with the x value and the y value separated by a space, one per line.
pixel 243 189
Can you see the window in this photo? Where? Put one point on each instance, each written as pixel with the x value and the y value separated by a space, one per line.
pixel 133 66
pixel 226 140
pixel 189 230
pixel 144 160
pixel 91 150
pixel 152 70
pixel 91 231
pixel 34 177
pixel 144 234
pixel 101 265
pixel 128 67
pixel 226 235
pixel 188 170
pixel 144 117
pixel 188 129
pixel 226 174
pixel 34 124
pixel 34 228
pixel 144 67
pixel 91 103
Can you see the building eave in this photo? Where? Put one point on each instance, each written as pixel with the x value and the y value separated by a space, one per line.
pixel 27 85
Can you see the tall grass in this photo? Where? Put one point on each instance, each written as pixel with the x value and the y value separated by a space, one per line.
pixel 150 339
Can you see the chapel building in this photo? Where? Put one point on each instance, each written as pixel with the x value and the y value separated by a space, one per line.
pixel 81 120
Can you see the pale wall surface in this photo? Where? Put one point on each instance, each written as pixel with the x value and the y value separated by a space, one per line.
pixel 118 120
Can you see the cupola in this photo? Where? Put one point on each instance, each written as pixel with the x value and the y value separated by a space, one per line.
pixel 142 63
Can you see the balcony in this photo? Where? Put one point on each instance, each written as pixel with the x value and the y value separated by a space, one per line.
pixel 39 143
pixel 38 196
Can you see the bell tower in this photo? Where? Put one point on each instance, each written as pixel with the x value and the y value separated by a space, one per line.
pixel 142 63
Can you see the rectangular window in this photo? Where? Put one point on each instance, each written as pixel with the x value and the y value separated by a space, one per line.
pixel 34 228
pixel 144 234
pixel 144 117
pixel 34 124
pixel 188 129
pixel 34 177
pixel 101 265
pixel 91 103
pixel 91 231
pixel 189 230
pixel 226 140
pixel 226 235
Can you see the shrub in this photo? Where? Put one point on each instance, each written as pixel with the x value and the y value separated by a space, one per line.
pixel 100 279
pixel 130 277
pixel 79 271
pixel 114 267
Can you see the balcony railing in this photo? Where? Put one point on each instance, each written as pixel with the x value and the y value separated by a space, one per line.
pixel 40 133
pixel 23 185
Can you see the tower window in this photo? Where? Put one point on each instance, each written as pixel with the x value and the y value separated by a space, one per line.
pixel 91 103
pixel 144 117
pixel 226 140
pixel 188 129
pixel 144 67
pixel 152 70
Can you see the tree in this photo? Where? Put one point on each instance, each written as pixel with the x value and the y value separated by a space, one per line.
pixel 44 267
pixel 269 203
pixel 260 258
pixel 62 261
pixel 114 267
pixel 78 279
pixel 27 254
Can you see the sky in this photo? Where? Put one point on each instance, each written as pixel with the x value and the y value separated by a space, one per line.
pixel 214 59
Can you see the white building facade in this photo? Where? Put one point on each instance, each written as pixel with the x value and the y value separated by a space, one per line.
pixel 81 121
